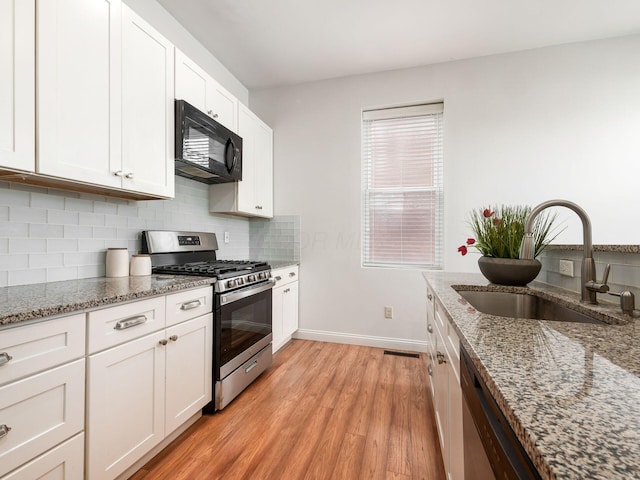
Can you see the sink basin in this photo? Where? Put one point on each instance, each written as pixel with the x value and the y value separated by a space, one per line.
pixel 522 305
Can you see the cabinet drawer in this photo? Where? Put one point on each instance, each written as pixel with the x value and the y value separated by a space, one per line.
pixel 116 325
pixel 42 411
pixel 189 304
pixel 65 462
pixel 282 276
pixel 32 348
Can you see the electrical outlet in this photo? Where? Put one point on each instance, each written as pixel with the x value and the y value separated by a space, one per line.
pixel 388 312
pixel 226 237
pixel 566 268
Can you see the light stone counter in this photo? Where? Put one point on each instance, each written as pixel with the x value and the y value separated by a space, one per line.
pixel 33 302
pixel 570 391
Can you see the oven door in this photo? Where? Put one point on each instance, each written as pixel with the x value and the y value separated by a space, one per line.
pixel 243 326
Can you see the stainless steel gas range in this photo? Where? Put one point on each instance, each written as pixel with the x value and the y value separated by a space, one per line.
pixel 242 330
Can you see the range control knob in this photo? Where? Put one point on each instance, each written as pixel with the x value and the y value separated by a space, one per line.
pixel 261 276
pixel 231 283
pixel 240 281
pixel 251 278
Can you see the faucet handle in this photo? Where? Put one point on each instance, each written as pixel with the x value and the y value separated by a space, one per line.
pixel 600 287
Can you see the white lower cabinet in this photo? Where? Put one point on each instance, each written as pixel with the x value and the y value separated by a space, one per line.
pixel 444 374
pixel 140 391
pixel 66 461
pixel 285 305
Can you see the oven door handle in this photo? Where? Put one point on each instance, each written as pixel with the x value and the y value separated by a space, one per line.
pixel 245 292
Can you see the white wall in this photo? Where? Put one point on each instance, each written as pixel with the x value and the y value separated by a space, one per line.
pixel 161 20
pixel 519 128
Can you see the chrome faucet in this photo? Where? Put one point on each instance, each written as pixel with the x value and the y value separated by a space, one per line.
pixel 590 287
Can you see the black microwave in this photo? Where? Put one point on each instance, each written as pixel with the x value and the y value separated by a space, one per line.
pixel 206 151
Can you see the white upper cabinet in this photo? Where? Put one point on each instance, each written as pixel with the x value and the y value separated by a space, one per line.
pixel 79 90
pixel 147 108
pixel 17 84
pixel 253 196
pixel 105 97
pixel 199 89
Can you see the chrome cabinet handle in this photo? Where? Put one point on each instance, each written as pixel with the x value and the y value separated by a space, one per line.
pixel 429 296
pixel 430 370
pixel 251 367
pixel 287 290
pixel 292 274
pixel 130 322
pixel 4 430
pixel 211 114
pixel 163 342
pixel 278 278
pixel 173 338
pixel 441 358
pixel 258 207
pixel 191 305
pixel 429 328
pixel 4 358
pixel 129 175
pixel 119 173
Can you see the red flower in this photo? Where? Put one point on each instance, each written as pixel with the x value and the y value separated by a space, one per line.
pixel 487 213
pixel 462 249
pixel 471 241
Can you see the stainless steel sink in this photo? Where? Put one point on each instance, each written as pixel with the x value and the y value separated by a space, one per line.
pixel 522 305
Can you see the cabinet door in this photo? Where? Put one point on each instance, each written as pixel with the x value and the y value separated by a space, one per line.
pixel 277 311
pixel 79 81
pixel 147 108
pixel 263 173
pixel 222 106
pixel 246 188
pixel 441 401
pixel 191 82
pixel 125 405
pixel 189 369
pixel 456 440
pixel 42 411
pixel 17 84
pixel 290 310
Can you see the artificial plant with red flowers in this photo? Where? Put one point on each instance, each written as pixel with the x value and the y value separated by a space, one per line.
pixel 498 231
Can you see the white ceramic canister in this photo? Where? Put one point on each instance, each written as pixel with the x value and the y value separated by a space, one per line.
pixel 140 265
pixel 117 262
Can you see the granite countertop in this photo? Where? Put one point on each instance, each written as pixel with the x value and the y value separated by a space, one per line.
pixel 570 391
pixel 33 302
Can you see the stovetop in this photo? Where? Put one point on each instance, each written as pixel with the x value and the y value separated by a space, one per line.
pixel 219 269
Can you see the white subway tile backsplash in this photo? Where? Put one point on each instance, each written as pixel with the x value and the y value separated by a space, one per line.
pixel 51 224
pixel 62 217
pixel 62 245
pixel 27 245
pixel 46 260
pixel 27 214
pixel 38 230
pixel 27 277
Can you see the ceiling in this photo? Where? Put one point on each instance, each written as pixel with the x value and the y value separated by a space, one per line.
pixel 267 43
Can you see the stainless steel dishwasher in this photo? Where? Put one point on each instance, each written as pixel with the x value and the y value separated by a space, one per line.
pixel 491 448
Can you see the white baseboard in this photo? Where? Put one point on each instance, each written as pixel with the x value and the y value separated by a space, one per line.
pixel 364 340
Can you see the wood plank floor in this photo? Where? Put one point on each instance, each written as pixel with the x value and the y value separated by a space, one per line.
pixel 323 411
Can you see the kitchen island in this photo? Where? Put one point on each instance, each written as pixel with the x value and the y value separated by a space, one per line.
pixel 570 391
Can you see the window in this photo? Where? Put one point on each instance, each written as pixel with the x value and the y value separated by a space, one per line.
pixel 402 188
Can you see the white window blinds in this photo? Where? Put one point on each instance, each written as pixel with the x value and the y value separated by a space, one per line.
pixel 402 187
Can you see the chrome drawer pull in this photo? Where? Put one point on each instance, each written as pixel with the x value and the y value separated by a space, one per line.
pixel 251 367
pixel 191 305
pixel 292 274
pixel 441 358
pixel 173 338
pixel 278 278
pixel 4 430
pixel 429 328
pixel 287 290
pixel 130 322
pixel 4 358
pixel 163 342
pixel 429 296
pixel 430 370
